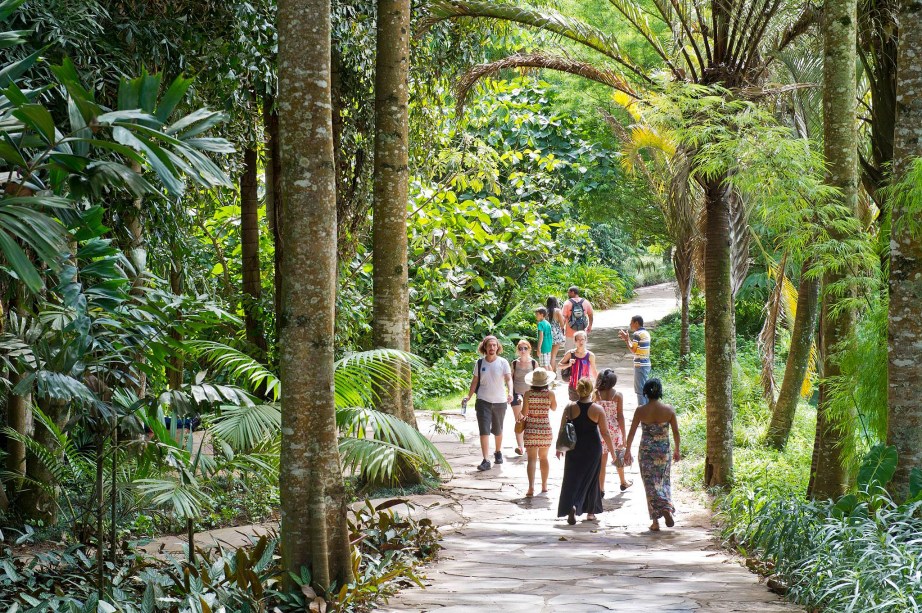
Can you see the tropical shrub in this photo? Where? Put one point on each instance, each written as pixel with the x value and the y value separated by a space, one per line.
pixel 388 547
pixel 449 375
pixel 859 553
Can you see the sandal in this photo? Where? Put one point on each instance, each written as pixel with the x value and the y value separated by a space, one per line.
pixel 654 527
pixel 571 518
pixel 670 522
pixel 529 493
pixel 625 486
pixel 591 517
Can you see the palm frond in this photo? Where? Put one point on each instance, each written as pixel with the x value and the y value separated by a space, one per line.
pixel 543 61
pixel 237 365
pixel 246 427
pixel 354 423
pixel 540 18
pixel 358 375
pixel 638 19
pixel 768 334
pixel 65 462
pixel 184 498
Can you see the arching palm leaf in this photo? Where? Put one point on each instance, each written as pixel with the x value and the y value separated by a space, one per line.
pixel 543 19
pixel 539 60
pixel 390 439
pixel 358 375
pixel 246 427
pixel 237 365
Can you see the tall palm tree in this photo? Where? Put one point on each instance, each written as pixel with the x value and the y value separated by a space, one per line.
pixel 730 43
pixel 667 175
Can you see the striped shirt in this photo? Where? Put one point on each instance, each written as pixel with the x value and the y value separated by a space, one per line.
pixel 642 349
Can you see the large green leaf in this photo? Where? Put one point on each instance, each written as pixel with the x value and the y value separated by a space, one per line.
pixel 915 483
pixel 8 7
pixel 878 466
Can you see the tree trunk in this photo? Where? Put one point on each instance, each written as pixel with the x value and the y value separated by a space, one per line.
pixel 17 417
pixel 905 326
pixel 33 501
pixel 249 247
pixel 314 529
pixel 174 372
pixel 719 336
pixel 829 477
pixel 274 205
pixel 798 360
pixel 878 43
pixel 391 324
pixel 683 264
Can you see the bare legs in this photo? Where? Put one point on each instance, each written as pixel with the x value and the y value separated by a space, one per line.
pixel 537 455
pixel 624 482
pixel 519 436
pixel 485 444
pixel 554 349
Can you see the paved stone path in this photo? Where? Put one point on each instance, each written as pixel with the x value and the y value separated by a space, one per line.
pixel 504 552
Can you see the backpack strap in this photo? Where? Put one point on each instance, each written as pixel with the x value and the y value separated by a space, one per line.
pixel 479 364
pixel 534 364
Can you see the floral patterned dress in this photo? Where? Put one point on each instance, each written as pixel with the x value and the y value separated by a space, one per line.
pixel 538 425
pixel 611 417
pixel 655 463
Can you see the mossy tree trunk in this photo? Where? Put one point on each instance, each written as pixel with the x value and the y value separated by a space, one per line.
pixel 828 476
pixel 249 247
pixel 35 502
pixel 905 324
pixel 802 335
pixel 314 532
pixel 274 205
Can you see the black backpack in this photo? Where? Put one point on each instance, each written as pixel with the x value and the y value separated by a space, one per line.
pixel 578 318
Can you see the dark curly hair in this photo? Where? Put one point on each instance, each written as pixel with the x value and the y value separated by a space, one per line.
pixel 653 389
pixel 607 380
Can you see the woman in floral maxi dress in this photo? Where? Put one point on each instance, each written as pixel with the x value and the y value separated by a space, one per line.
pixel 656 420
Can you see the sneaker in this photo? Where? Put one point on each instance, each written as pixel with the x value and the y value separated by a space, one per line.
pixel 497 457
pixel 485 465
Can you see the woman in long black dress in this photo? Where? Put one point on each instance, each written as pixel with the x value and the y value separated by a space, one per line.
pixel 580 492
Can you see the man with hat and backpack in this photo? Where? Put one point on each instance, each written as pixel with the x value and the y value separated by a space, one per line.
pixel 577 314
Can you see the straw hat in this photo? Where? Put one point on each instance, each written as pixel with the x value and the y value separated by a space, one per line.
pixel 539 377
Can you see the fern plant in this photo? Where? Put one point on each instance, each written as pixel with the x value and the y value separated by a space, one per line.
pixel 372 443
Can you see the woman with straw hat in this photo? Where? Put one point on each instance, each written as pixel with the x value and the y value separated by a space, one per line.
pixel 536 405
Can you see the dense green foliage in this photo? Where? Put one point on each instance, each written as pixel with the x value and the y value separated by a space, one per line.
pixel 248 579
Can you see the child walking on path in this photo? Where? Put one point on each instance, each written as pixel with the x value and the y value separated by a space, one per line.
pixel 656 420
pixel 613 404
pixel 538 402
pixel 545 338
